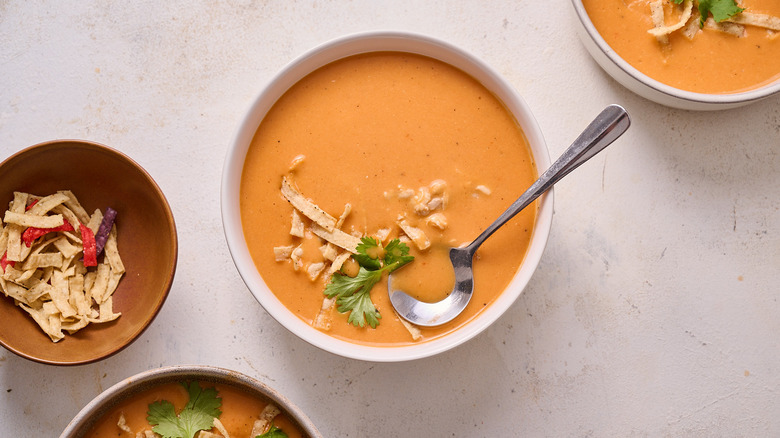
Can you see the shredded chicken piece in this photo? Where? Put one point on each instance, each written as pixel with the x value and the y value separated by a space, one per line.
pixel 415 234
pixel 122 423
pixel 437 220
pixel 314 270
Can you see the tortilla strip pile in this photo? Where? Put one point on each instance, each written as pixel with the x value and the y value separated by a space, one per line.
pixel 48 279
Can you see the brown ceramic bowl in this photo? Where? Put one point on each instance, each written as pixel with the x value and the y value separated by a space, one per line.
pixel 100 177
pixel 108 400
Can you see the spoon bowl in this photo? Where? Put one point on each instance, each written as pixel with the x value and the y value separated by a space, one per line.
pixel 610 124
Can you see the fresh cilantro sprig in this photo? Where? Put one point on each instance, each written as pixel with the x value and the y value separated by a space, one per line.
pixel 198 414
pixel 720 9
pixel 273 432
pixel 354 293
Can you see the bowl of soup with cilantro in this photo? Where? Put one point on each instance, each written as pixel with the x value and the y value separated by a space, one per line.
pixel 689 54
pixel 374 153
pixel 191 401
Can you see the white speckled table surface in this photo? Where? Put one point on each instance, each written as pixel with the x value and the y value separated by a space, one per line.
pixel 654 311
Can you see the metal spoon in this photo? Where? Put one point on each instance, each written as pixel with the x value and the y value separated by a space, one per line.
pixel 600 133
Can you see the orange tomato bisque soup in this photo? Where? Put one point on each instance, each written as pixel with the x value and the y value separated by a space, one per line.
pixel 699 60
pixel 395 136
pixel 239 411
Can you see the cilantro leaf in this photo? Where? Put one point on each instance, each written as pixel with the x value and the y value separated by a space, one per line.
pixel 367 253
pixel 198 414
pixel 396 254
pixel 720 9
pixel 273 432
pixel 354 294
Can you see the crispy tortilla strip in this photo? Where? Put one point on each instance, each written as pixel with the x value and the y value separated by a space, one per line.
pixel 657 15
pixel 737 30
pixel 73 204
pixel 263 423
pixel 344 215
pixel 16 292
pixel 14 245
pixel 337 237
pixel 306 207
pixel 324 318
pixel 73 326
pixel 60 295
pixel 297 226
pixel 692 27
pixel 29 220
pixel 758 20
pixel 338 262
pixel 106 312
pixel 220 427
pixel 113 282
pixel 100 286
pixel 68 215
pixel 95 220
pixel 18 276
pixel 41 317
pixel 76 297
pixel 35 261
pixel 666 30
pixel 112 252
pixel 45 204
pixel 67 249
pixel 38 291
pixel 411 328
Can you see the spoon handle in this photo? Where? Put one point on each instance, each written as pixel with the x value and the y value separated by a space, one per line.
pixel 610 124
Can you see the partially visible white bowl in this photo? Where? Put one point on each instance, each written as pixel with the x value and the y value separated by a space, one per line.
pixel 292 73
pixel 650 88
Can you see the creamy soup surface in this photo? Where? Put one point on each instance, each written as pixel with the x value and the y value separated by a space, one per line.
pixel 711 61
pixel 371 128
pixel 239 411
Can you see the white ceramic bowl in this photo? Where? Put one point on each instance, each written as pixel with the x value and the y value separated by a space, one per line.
pixel 94 411
pixel 651 89
pixel 292 73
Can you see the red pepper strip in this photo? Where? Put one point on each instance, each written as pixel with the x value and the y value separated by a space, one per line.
pixel 33 233
pixel 35 201
pixel 5 262
pixel 90 248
